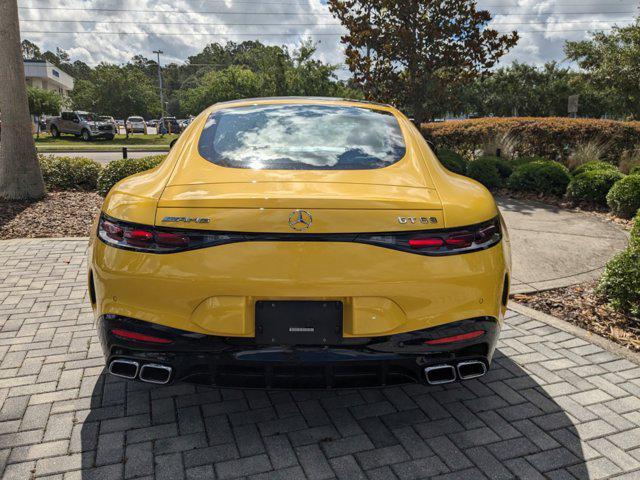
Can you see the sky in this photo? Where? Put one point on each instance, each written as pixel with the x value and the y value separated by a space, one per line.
pixel 186 26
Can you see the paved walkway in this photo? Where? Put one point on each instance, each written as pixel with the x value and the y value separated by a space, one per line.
pixel 553 406
pixel 554 248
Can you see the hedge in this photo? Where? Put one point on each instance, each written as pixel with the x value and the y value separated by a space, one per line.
pixel 69 173
pixel 624 196
pixel 592 186
pixel 452 161
pixel 620 283
pixel 551 137
pixel 119 169
pixel 492 172
pixel 540 176
pixel 595 165
pixel 635 231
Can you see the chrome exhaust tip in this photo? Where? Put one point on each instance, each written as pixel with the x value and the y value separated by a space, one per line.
pixel 124 368
pixel 471 369
pixel 155 373
pixel 439 374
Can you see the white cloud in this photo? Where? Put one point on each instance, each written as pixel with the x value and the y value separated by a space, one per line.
pixel 545 25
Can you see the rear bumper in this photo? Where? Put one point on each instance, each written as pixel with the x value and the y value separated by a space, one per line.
pixel 239 362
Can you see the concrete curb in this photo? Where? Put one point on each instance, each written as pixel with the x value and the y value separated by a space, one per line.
pixel 576 331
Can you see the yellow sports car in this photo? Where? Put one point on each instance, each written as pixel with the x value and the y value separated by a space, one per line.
pixel 299 242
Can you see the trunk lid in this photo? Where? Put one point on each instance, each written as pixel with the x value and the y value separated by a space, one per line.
pixel 207 196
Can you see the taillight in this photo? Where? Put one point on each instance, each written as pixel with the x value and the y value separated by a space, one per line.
pixel 456 338
pixel 439 242
pixel 145 238
pixel 139 337
pixel 431 242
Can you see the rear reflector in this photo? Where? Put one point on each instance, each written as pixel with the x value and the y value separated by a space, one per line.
pixel 140 337
pixel 456 338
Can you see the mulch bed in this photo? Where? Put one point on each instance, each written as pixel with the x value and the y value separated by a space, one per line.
pixel 580 305
pixel 59 214
pixel 565 204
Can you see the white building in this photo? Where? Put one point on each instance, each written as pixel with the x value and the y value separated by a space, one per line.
pixel 46 75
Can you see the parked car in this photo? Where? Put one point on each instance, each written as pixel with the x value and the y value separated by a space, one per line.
pixel 169 125
pixel 299 242
pixel 111 120
pixel 136 125
pixel 82 124
pixel 152 123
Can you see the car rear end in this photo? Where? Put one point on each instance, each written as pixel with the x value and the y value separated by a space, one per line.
pixel 136 125
pixel 299 243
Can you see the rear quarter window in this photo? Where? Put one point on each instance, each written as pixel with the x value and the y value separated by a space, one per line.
pixel 302 137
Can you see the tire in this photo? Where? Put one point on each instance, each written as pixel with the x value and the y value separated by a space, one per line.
pixel 173 142
pixel 86 135
pixel 110 137
pixel 55 133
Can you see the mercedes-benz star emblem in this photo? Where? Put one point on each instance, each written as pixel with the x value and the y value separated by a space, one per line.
pixel 300 220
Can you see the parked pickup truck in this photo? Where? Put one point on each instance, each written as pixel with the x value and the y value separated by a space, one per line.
pixel 82 124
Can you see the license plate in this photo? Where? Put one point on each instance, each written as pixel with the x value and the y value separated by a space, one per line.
pixel 298 322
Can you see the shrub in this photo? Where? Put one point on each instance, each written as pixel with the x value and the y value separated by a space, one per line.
pixel 635 231
pixel 516 162
pixel 508 144
pixel 540 176
pixel 620 283
pixel 489 171
pixel 624 196
pixel 630 160
pixel 69 173
pixel 452 161
pixel 588 152
pixel 547 137
pixel 592 186
pixel 119 169
pixel 591 166
pixel 635 170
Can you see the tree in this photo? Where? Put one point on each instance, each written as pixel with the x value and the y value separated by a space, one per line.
pixel 412 52
pixel 117 91
pixel 43 102
pixel 219 86
pixel 20 175
pixel 30 51
pixel 612 63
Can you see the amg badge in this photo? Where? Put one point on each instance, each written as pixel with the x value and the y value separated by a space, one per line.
pixel 187 219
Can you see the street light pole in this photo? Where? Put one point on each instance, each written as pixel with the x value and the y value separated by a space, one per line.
pixel 158 52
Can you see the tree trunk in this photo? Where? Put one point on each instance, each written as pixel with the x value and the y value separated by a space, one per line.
pixel 20 175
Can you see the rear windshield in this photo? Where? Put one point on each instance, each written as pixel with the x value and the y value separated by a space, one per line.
pixel 302 137
pixel 136 119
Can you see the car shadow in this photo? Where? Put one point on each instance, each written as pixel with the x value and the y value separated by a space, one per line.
pixel 503 425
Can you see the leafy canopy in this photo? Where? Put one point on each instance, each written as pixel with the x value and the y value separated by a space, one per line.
pixel 612 61
pixel 43 102
pixel 412 53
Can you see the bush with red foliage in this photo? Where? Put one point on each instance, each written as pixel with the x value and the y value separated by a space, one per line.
pixel 551 137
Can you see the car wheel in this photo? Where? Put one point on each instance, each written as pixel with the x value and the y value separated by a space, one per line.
pixel 110 137
pixel 55 133
pixel 86 136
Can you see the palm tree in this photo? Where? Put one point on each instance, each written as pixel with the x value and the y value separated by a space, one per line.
pixel 20 175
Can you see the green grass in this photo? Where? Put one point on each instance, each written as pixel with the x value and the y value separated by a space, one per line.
pixel 139 140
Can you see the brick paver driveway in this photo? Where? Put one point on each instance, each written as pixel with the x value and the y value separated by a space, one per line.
pixel 553 406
